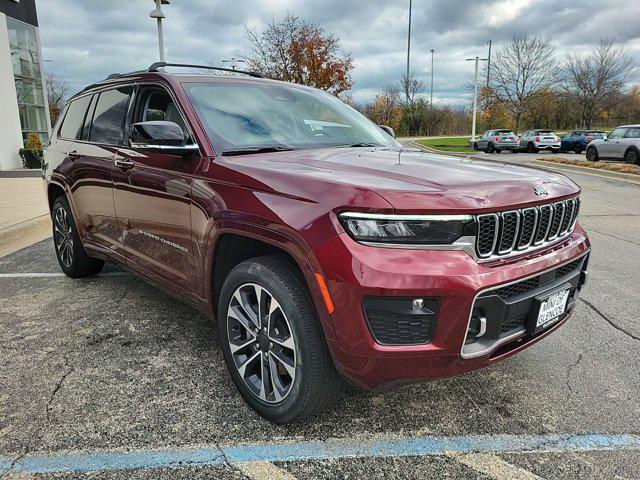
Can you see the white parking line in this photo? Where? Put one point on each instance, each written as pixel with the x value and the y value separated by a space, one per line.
pixel 263 470
pixel 495 467
pixel 57 274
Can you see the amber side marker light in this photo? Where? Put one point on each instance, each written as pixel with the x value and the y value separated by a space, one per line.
pixel 325 292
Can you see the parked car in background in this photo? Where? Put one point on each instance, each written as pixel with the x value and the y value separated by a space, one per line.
pixel 621 144
pixel 577 140
pixel 496 141
pixel 535 140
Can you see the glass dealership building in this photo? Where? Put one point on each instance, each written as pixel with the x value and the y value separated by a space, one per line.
pixel 23 102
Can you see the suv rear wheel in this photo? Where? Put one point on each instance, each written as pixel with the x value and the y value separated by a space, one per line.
pixel 592 154
pixel 272 341
pixel 72 257
pixel 490 148
pixel 531 148
pixel 631 156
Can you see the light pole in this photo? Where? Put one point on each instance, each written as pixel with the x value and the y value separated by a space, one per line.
pixel 159 15
pixel 233 61
pixel 475 94
pixel 431 98
pixel 408 52
pixel 488 62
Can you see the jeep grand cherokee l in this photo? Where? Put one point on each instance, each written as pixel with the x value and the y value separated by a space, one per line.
pixel 324 250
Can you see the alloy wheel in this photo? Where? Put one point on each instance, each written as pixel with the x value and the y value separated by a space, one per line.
pixel 631 156
pixel 591 154
pixel 63 236
pixel 261 343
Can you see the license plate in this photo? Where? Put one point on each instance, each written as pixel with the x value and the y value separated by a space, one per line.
pixel 552 308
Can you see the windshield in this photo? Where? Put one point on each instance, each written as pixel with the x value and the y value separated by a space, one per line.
pixel 262 117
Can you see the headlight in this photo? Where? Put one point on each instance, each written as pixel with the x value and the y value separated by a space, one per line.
pixel 405 229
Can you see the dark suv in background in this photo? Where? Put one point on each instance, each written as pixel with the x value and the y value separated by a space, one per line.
pixel 323 249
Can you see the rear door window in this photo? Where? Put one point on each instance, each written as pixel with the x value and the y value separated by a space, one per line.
pixel 109 116
pixel 71 127
pixel 632 132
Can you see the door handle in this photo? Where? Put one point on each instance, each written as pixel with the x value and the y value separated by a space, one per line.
pixel 73 155
pixel 124 164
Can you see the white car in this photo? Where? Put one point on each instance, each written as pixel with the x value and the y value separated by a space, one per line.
pixel 622 144
pixel 535 140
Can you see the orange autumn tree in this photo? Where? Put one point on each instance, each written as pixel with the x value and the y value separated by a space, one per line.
pixel 296 51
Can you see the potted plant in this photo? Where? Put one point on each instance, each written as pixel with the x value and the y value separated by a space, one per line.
pixel 31 154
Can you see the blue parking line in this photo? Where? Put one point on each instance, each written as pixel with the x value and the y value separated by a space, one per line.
pixel 315 450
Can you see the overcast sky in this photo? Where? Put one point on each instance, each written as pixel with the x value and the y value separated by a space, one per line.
pixel 88 39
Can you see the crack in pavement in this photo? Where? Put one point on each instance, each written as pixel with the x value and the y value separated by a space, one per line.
pixel 228 463
pixel 614 236
pixel 608 320
pixel 58 386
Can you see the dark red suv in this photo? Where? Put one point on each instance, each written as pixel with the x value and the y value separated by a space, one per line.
pixel 322 247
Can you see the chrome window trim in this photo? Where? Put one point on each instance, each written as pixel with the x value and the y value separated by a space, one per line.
pixel 515 335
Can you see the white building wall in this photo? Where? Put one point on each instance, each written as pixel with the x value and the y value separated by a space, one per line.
pixel 10 130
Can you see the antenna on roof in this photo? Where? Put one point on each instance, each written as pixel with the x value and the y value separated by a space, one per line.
pixel 155 66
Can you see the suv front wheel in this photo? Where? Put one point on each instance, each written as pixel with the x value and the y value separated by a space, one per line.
pixel 272 341
pixel 72 257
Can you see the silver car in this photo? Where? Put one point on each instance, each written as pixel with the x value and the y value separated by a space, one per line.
pixel 535 140
pixel 622 144
pixel 496 141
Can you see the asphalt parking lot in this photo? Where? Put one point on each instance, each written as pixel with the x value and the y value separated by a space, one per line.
pixel 109 378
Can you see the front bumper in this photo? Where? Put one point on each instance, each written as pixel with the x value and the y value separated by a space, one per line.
pixel 356 272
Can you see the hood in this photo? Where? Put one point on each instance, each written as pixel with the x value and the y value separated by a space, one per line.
pixel 410 180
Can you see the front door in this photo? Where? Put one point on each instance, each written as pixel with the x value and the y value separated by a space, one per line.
pixel 611 146
pixel 91 159
pixel 153 199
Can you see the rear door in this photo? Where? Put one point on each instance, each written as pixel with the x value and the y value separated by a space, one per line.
pixel 92 157
pixel 153 197
pixel 631 136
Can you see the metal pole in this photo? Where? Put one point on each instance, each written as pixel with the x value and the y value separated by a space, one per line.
pixel 488 62
pixel 408 52
pixel 475 102
pixel 431 99
pixel 158 15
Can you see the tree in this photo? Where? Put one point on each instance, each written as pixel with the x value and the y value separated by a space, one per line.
pixel 598 79
pixel 296 51
pixel 57 90
pixel 520 71
pixel 386 108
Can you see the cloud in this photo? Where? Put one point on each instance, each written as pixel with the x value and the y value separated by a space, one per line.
pixel 89 39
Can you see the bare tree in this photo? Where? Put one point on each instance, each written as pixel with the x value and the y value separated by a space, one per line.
pixel 598 79
pixel 57 91
pixel 520 71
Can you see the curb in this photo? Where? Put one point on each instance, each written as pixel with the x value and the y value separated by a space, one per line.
pixel 623 177
pixel 23 234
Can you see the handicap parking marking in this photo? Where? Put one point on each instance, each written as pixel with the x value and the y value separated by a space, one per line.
pixel 333 449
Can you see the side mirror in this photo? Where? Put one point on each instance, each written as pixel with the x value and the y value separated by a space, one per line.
pixel 160 136
pixel 388 130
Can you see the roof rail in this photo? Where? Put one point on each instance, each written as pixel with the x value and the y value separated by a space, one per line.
pixel 154 68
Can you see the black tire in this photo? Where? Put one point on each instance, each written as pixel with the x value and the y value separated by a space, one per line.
pixel 498 150
pixel 592 154
pixel 632 156
pixel 577 149
pixel 531 148
pixel 515 150
pixel 490 148
pixel 72 257
pixel 554 150
pixel 315 383
pixel 475 146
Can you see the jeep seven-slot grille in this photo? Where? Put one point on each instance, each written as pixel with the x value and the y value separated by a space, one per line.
pixel 503 232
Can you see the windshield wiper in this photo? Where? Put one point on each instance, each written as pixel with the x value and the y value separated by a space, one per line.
pixel 257 149
pixel 361 144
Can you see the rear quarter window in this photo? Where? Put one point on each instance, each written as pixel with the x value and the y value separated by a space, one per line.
pixel 72 123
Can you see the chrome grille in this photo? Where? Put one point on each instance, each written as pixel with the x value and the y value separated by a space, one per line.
pixel 502 233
